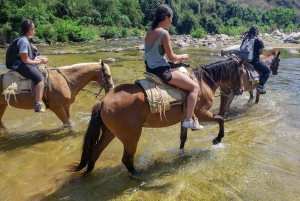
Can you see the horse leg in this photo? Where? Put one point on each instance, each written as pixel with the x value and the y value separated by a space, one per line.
pixel 257 96
pixel 251 96
pixel 106 137
pixel 183 136
pixel 209 117
pixel 2 110
pixel 220 121
pixel 128 157
pixel 61 113
pixel 129 137
pixel 68 112
pixel 225 103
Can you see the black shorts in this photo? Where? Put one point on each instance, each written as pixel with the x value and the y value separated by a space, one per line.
pixel 30 72
pixel 163 72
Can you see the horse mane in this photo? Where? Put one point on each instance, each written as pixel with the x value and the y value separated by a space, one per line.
pixel 76 65
pixel 269 53
pixel 218 71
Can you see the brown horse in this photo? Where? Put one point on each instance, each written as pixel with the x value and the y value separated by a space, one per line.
pixel 272 59
pixel 124 111
pixel 66 82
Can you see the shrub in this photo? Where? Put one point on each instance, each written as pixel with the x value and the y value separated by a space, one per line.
pixel 69 30
pixel 125 33
pixel 108 21
pixel 136 32
pixel 198 33
pixel 124 21
pixel 47 32
pixel 111 32
pixel 232 31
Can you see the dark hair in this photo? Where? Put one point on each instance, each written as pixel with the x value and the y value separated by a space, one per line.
pixel 25 25
pixel 253 31
pixel 162 11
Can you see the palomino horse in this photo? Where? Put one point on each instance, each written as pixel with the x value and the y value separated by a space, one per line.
pixel 271 58
pixel 66 82
pixel 124 111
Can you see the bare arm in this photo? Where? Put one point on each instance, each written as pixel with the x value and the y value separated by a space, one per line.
pixel 260 50
pixel 27 60
pixel 166 42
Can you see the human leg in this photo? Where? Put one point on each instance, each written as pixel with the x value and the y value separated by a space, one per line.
pixel 263 68
pixel 31 72
pixel 184 82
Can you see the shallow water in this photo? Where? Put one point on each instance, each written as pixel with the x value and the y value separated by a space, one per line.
pixel 258 159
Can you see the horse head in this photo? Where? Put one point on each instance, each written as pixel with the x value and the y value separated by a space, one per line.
pixel 106 78
pixel 235 83
pixel 272 59
pixel 226 74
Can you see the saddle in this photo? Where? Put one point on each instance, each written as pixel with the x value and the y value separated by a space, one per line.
pixel 162 96
pixel 14 83
pixel 252 73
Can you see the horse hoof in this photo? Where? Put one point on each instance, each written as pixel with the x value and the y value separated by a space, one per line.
pixel 216 141
pixel 136 175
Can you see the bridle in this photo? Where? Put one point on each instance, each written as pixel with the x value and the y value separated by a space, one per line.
pixel 238 91
pixel 105 83
pixel 274 61
pixel 105 80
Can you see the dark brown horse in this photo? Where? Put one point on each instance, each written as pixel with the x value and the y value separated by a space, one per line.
pixel 124 111
pixel 66 82
pixel 272 59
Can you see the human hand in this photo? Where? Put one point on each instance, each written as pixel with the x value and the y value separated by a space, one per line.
pixel 185 57
pixel 43 60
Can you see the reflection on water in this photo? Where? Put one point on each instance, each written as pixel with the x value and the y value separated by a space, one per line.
pixel 259 158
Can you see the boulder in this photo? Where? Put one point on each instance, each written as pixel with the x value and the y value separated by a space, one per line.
pixel 230 50
pixel 110 60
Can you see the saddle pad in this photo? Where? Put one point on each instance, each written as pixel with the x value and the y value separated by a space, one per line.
pixel 252 73
pixel 14 83
pixel 160 96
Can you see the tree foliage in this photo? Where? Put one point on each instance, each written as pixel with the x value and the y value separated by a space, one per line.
pixel 84 20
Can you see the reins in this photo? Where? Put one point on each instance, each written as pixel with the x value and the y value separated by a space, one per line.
pixel 59 71
pixel 221 92
pixel 84 88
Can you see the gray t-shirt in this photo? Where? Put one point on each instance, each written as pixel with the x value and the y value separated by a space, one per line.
pixel 24 47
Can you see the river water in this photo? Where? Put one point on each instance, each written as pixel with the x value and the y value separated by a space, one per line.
pixel 258 159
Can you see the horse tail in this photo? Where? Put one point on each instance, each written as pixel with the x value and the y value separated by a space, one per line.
pixel 91 138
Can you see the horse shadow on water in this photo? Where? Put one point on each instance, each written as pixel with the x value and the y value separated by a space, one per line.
pixel 110 182
pixel 11 141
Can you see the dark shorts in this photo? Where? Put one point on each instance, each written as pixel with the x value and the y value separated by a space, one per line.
pixel 30 72
pixel 163 72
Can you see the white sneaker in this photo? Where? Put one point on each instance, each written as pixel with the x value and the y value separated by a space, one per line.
pixel 191 125
pixel 38 107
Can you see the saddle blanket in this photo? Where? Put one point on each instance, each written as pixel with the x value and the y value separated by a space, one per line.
pixel 14 83
pixel 252 73
pixel 162 96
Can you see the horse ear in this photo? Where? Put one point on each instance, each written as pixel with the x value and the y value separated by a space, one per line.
pixel 241 62
pixel 278 53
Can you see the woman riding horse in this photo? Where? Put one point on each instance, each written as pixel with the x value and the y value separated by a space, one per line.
pixel 124 111
pixel 20 57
